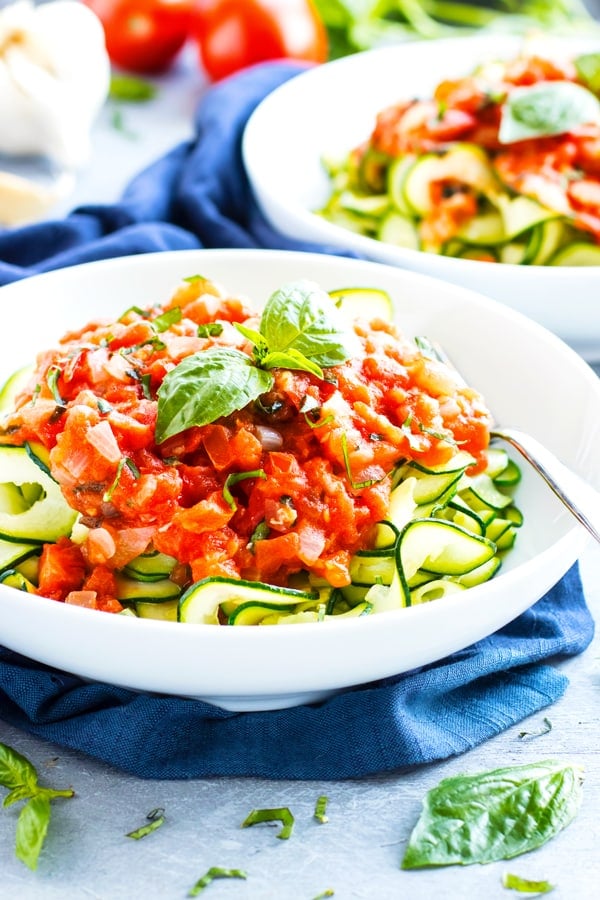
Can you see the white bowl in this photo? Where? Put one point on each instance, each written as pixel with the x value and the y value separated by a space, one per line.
pixel 330 109
pixel 529 377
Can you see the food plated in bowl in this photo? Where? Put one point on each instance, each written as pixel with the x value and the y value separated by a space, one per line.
pixel 443 156
pixel 229 470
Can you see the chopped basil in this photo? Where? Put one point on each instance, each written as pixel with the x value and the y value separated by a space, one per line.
pixel 355 485
pixel 124 461
pixel 494 815
pixel 233 478
pixel 529 735
pixel 136 309
pixel 103 406
pixel 300 328
pixel 526 885
pixel 546 108
pixel 52 376
pixel 21 778
pixel 320 810
pixel 145 382
pixel 260 533
pixel 282 814
pixel 210 329
pixel 170 317
pixel 214 872
pixel 156 818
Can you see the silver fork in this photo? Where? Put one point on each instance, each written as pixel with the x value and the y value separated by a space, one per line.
pixel 580 498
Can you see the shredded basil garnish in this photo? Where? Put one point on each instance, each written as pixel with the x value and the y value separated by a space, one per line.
pixel 52 376
pixel 170 317
pixel 233 478
pixel 355 485
pixel 210 329
pixel 124 461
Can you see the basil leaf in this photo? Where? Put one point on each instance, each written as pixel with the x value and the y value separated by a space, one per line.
pixel 206 386
pixel 291 359
pixel 32 827
pixel 302 316
pixel 546 108
pixel 588 69
pixel 15 770
pixel 494 815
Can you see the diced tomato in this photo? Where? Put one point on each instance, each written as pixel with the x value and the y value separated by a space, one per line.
pixel 61 570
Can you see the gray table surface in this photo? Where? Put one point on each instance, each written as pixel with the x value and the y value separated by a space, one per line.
pixel 357 853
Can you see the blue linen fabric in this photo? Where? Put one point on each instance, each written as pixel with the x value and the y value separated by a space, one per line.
pixel 198 196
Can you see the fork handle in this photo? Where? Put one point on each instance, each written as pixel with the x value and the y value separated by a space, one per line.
pixel 577 495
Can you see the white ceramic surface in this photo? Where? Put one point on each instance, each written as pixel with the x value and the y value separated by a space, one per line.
pixel 332 108
pixel 529 377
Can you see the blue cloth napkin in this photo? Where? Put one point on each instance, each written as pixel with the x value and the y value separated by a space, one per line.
pixel 197 196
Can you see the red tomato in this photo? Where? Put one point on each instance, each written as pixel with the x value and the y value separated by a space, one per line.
pixel 144 36
pixel 233 34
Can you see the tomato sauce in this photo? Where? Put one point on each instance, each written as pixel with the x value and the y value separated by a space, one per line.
pixel 323 450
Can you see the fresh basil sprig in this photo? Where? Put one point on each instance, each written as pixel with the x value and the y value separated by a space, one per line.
pixel 546 108
pixel 300 328
pixel 21 778
pixel 494 815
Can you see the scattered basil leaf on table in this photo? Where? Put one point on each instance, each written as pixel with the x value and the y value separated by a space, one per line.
pixel 21 778
pixel 494 815
pixel 546 108
pixel 300 328
pixel 526 885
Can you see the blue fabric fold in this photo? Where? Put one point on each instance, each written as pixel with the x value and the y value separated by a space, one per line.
pixel 198 196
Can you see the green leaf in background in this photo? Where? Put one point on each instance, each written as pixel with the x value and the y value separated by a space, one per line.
pixel 16 771
pixel 546 108
pixel 588 70
pixel 354 25
pixel 32 827
pixel 206 386
pixel 303 317
pixel 494 815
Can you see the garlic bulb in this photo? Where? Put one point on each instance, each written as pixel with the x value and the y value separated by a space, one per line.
pixel 54 78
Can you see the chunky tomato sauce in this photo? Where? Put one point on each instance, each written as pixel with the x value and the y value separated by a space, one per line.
pixel 325 450
pixel 562 171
